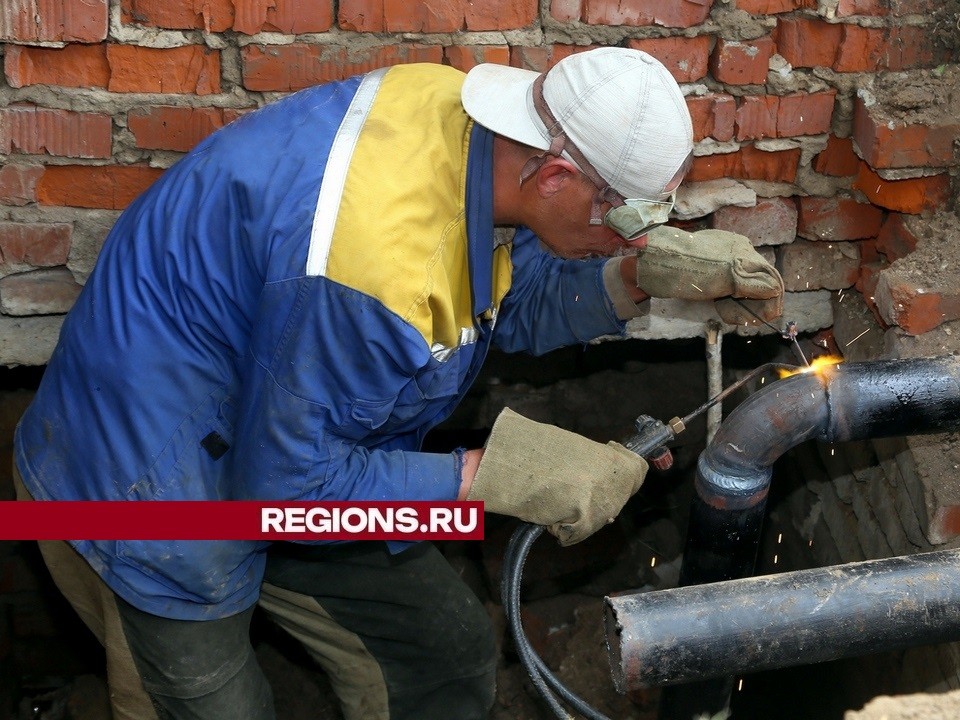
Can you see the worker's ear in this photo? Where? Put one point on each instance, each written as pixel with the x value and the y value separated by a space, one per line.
pixel 554 174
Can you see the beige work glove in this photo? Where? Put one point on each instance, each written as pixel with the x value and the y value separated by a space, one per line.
pixel 553 477
pixel 711 265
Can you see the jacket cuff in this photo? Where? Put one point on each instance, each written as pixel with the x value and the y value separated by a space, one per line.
pixel 623 305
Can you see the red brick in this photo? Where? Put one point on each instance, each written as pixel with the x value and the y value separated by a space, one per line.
pixel 191 69
pixel 685 58
pixel 173 128
pixel 805 113
pixel 293 67
pixel 869 252
pixel 34 131
pixel 837 158
pixel 53 20
pixel 210 15
pixel 543 58
pixel 464 57
pixel 807 265
pixel 34 244
pixel 903 145
pixel 915 309
pixel 837 218
pixel 245 16
pixel 762 116
pixel 862 7
pixel 110 187
pixel 909 47
pixel 73 66
pixel 911 196
pixel 867 286
pixel 634 14
pixel 435 15
pixel 741 63
pixel 748 163
pixel 804 42
pixel 39 292
pixel 861 49
pixel 895 239
pixel 18 183
pixel 757 117
pixel 772 221
pixel 713 116
pixel 771 7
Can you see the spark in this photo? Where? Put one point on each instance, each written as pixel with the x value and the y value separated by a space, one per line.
pixel 832 451
pixel 696 287
pixel 576 299
pixel 810 544
pixel 740 685
pixel 858 336
pixel 779 538
pixel 653 561
pixel 775 559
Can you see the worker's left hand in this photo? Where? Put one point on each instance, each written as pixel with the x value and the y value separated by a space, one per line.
pixel 710 265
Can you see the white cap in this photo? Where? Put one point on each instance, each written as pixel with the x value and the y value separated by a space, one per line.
pixel 620 107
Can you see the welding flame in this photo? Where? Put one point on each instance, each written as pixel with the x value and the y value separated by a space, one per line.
pixel 820 365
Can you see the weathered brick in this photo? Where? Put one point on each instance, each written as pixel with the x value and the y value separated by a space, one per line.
pixel 772 221
pixel 464 57
pixel 73 66
pixel 245 16
pixel 35 131
pixel 805 42
pixel 713 116
pixel 211 15
pixel 33 245
pixel 39 292
pixel 837 218
pixel 886 143
pixel 748 163
pixel 174 128
pixel 685 58
pixel 805 113
pixel 435 15
pixel 914 308
pixel 869 252
pixel 634 14
pixel 845 8
pixel 543 58
pixel 18 184
pixel 837 158
pixel 757 117
pixel 911 196
pixel 861 49
pixel 909 46
pixel 293 67
pixel 111 187
pixel 742 63
pixel 896 240
pixel 190 69
pixel 27 21
pixel 807 265
pixel 772 7
pixel 867 286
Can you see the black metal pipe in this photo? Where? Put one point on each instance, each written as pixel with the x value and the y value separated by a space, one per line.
pixel 808 616
pixel 839 402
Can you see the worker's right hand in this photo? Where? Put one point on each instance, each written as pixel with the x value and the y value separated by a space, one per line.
pixel 710 265
pixel 549 476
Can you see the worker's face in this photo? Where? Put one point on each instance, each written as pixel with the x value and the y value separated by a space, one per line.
pixel 564 221
pixel 565 226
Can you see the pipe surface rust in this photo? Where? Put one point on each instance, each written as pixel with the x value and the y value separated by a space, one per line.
pixel 699 631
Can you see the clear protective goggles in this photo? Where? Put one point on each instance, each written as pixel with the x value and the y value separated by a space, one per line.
pixel 636 216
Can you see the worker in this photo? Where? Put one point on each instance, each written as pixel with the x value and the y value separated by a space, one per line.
pixel 288 311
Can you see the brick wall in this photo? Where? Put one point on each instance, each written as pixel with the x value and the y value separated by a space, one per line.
pixel 99 96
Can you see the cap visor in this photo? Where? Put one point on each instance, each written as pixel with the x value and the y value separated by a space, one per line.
pixel 498 97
